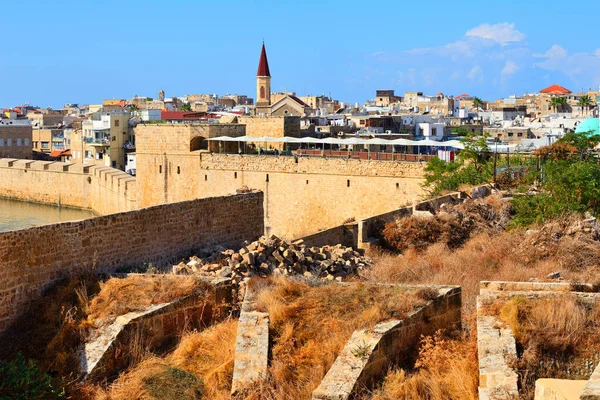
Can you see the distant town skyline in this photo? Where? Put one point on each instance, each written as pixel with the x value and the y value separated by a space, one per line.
pixel 80 52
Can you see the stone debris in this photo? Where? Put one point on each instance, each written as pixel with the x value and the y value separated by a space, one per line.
pixel 274 256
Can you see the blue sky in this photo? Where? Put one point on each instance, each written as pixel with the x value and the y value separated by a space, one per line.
pixel 56 52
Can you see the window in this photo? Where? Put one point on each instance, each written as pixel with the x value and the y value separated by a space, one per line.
pixel 235 175
pixel 114 139
pixel 45 145
pixel 510 134
pixel 160 169
pixel 9 142
pixel 116 122
pixel 520 134
pixel 1 142
pixel 348 183
pixel 267 180
pixel 26 142
pixel 205 178
pixel 114 164
pixel 262 92
pixel 19 142
pixel 178 170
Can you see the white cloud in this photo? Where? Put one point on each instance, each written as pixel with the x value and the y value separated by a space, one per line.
pixel 554 52
pixel 476 74
pixel 597 53
pixel 502 33
pixel 510 68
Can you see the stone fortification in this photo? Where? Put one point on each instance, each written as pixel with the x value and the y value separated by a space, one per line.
pixel 103 190
pixel 302 194
pixel 31 260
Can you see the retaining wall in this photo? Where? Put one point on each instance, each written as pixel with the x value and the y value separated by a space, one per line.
pixel 111 348
pixel 33 259
pixel 369 353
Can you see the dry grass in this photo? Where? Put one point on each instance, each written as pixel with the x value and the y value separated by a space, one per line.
pixel 138 292
pixel 201 363
pixel 311 324
pixel 53 328
pixel 452 226
pixel 509 256
pixel 446 369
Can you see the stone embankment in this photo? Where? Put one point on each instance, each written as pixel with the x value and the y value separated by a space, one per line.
pixel 274 256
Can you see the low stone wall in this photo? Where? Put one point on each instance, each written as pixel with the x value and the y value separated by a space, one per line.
pixel 346 235
pixel 112 348
pixel 33 259
pixel 496 342
pixel 591 390
pixel 103 190
pixel 251 345
pixel 370 352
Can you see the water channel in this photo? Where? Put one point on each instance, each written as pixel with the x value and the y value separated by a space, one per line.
pixel 16 215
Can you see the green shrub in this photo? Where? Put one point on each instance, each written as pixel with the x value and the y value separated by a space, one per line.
pixel 22 379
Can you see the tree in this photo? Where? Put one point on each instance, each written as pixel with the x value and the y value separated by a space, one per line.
pixel 186 107
pixel 134 108
pixel 477 103
pixel 584 102
pixel 562 103
pixel 555 103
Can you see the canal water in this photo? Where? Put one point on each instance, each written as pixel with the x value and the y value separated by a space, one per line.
pixel 22 215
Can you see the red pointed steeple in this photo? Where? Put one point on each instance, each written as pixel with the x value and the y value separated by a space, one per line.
pixel 263 64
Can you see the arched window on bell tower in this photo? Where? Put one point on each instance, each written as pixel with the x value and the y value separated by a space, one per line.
pixel 262 92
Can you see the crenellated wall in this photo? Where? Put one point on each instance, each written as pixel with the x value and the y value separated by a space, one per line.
pixel 103 190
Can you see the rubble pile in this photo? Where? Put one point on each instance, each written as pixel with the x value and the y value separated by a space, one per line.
pixel 273 256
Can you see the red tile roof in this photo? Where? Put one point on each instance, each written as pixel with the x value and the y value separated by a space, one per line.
pixel 297 100
pixel 263 64
pixel 59 153
pixel 555 89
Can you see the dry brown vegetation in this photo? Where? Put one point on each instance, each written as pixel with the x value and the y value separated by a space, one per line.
pixel 138 292
pixel 310 326
pixel 200 367
pixel 489 252
pixel 452 226
pixel 556 337
pixel 446 369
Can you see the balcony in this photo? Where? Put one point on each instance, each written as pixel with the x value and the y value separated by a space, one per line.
pixel 97 141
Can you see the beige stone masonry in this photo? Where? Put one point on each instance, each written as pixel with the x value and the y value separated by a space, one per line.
pixel 370 352
pixel 591 391
pixel 109 349
pixel 558 389
pixel 251 345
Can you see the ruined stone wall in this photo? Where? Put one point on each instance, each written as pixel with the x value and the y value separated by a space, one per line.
pixel 32 259
pixel 104 190
pixel 302 195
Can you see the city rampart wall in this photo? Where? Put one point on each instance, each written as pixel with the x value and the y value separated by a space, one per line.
pixel 31 260
pixel 103 190
pixel 303 195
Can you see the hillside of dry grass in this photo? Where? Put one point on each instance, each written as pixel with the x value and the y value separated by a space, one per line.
pixel 487 251
pixel 311 324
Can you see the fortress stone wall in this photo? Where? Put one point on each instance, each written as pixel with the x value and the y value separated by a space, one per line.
pixel 103 190
pixel 31 260
pixel 302 195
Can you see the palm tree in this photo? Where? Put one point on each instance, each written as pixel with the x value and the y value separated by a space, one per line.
pixel 562 101
pixel 584 102
pixel 555 103
pixel 477 103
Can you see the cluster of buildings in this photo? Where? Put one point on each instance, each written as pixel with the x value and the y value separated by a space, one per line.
pixel 104 134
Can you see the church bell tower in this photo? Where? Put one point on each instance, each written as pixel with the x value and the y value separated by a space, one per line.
pixel 263 85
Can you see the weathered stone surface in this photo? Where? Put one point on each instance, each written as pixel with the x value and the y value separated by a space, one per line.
pixel 369 352
pixel 271 255
pixel 558 389
pixel 591 391
pixel 495 347
pixel 251 345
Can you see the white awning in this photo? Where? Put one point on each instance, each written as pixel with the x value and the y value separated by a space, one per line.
pixel 346 142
